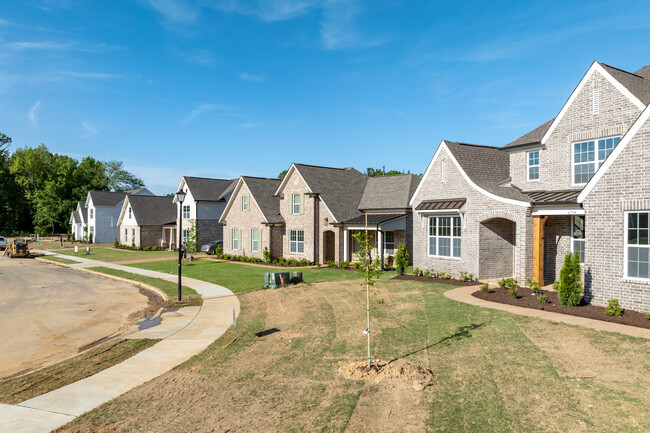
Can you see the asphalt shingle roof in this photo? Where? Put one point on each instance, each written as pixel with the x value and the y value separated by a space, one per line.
pixel 487 167
pixel 534 136
pixel 340 188
pixel 263 191
pixel 207 189
pixel 374 218
pixel 389 192
pixel 152 210
pixel 106 198
pixel 636 84
pixel 84 210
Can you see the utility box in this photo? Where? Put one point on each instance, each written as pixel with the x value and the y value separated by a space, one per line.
pixel 296 277
pixel 273 280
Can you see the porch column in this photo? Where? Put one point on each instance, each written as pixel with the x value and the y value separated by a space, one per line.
pixel 380 246
pixel 539 222
pixel 345 245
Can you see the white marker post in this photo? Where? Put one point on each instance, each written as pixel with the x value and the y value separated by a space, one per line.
pixel 234 320
pixel 76 250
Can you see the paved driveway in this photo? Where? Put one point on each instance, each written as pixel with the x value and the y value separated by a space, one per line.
pixel 47 312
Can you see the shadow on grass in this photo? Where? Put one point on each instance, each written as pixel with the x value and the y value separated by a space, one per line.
pixel 461 332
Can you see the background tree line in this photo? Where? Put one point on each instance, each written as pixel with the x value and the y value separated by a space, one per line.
pixel 39 189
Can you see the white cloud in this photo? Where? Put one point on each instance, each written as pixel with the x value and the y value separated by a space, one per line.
pixel 204 108
pixel 339 27
pixel 176 10
pixel 90 131
pixel 252 77
pixel 31 115
pixel 42 45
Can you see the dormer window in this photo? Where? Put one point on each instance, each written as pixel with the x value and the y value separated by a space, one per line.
pixel 533 165
pixel 244 202
pixel 589 155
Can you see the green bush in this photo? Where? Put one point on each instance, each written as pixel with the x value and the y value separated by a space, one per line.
pixel 512 291
pixel 147 248
pixel 357 265
pixel 344 264
pixel 464 276
pixel 428 273
pixel 317 264
pixel 401 259
pixel 485 287
pixel 218 251
pixel 417 271
pixel 507 283
pixel 647 315
pixel 331 264
pixel 614 308
pixel 534 286
pixel 444 276
pixel 542 299
pixel 267 255
pixel 116 244
pixel 569 287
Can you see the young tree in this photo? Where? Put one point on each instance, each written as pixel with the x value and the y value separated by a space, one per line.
pixel 569 288
pixel 192 239
pixel 401 259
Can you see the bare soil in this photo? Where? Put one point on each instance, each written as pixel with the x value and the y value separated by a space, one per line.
pixel 527 299
pixel 400 373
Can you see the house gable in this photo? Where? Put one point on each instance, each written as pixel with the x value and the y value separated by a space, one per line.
pixel 124 216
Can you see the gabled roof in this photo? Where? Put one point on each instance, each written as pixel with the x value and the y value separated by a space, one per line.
pixel 340 189
pixel 152 210
pixel 638 85
pixel 263 192
pixel 139 191
pixel 644 72
pixel 82 210
pixel 389 192
pixel 106 198
pixel 532 137
pixel 208 189
pixel 75 218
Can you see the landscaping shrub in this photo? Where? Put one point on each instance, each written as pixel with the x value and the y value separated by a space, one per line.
pixel 535 287
pixel 444 276
pixel 485 287
pixel 116 244
pixel 147 248
pixel 344 264
pixel 647 315
pixel 282 260
pixel 317 264
pixel 331 264
pixel 464 276
pixel 569 287
pixel 401 259
pixel 507 283
pixel 417 271
pixel 512 291
pixel 542 299
pixel 218 251
pixel 267 255
pixel 428 273
pixel 614 308
pixel 357 265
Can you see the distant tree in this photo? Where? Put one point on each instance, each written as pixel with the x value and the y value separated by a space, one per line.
pixel 282 174
pixel 119 179
pixel 13 205
pixel 374 172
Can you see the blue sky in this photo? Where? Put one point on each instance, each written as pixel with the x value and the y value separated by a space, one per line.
pixel 224 88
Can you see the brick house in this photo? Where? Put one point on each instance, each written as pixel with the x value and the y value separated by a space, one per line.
pixel 145 220
pixel 579 182
pixel 104 209
pixel 252 219
pixel 204 203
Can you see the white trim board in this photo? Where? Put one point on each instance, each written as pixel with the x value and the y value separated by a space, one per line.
pixel 595 67
pixel 559 211
pixel 640 121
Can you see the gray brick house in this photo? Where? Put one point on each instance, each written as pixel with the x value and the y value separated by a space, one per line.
pixel 205 201
pixel 145 221
pixel 579 182
pixel 252 219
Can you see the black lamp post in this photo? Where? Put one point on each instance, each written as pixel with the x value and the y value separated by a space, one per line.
pixel 180 196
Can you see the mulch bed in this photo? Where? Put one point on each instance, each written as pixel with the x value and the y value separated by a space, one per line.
pixel 527 299
pixel 422 278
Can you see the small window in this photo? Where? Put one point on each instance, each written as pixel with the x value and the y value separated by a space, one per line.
pixel 235 239
pixel 533 165
pixel 295 204
pixel 186 235
pixel 297 241
pixel 638 245
pixel 92 213
pixel 589 155
pixel 255 240
pixel 126 236
pixel 129 212
pixel 244 202
pixel 186 211
pixel 389 243
pixel 444 236
pixel 133 235
pixel 578 236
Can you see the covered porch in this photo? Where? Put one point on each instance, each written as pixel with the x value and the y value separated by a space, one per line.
pixel 169 237
pixel 386 230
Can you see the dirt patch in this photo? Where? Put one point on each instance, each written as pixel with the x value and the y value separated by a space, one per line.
pixel 391 374
pixel 424 279
pixel 527 299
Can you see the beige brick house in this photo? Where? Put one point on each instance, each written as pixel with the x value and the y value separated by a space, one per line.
pixel 144 221
pixel 579 182
pixel 252 220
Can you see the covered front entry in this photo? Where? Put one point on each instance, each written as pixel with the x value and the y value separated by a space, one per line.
pixel 497 242
pixel 169 237
pixel 329 246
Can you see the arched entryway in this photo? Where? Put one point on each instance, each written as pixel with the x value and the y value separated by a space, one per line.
pixel 329 246
pixel 497 240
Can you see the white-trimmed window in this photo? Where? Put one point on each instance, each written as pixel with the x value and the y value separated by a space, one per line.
pixel 244 202
pixel 444 236
pixel 578 236
pixel 297 241
pixel 235 239
pixel 295 204
pixel 186 211
pixel 186 235
pixel 126 236
pixel 255 240
pixel 589 155
pixel 637 245
pixel 533 165
pixel 130 213
pixel 389 243
pixel 92 213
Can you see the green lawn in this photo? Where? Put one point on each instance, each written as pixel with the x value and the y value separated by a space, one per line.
pixel 493 371
pixel 170 288
pixel 111 255
pixel 244 278
pixel 61 260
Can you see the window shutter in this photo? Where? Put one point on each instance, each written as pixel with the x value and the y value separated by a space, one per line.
pixel 302 204
pixel 290 201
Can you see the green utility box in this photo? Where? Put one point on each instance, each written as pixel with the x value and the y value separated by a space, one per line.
pixel 296 277
pixel 273 280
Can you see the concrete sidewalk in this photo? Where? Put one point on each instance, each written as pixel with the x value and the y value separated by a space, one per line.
pixel 182 339
pixel 464 294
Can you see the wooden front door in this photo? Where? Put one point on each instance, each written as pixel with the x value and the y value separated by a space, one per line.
pixel 329 240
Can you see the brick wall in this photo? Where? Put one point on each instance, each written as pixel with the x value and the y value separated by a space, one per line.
pixel 557 243
pixel 303 221
pixel 497 243
pixel 246 221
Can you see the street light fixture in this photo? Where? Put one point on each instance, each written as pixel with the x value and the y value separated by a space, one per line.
pixel 180 196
